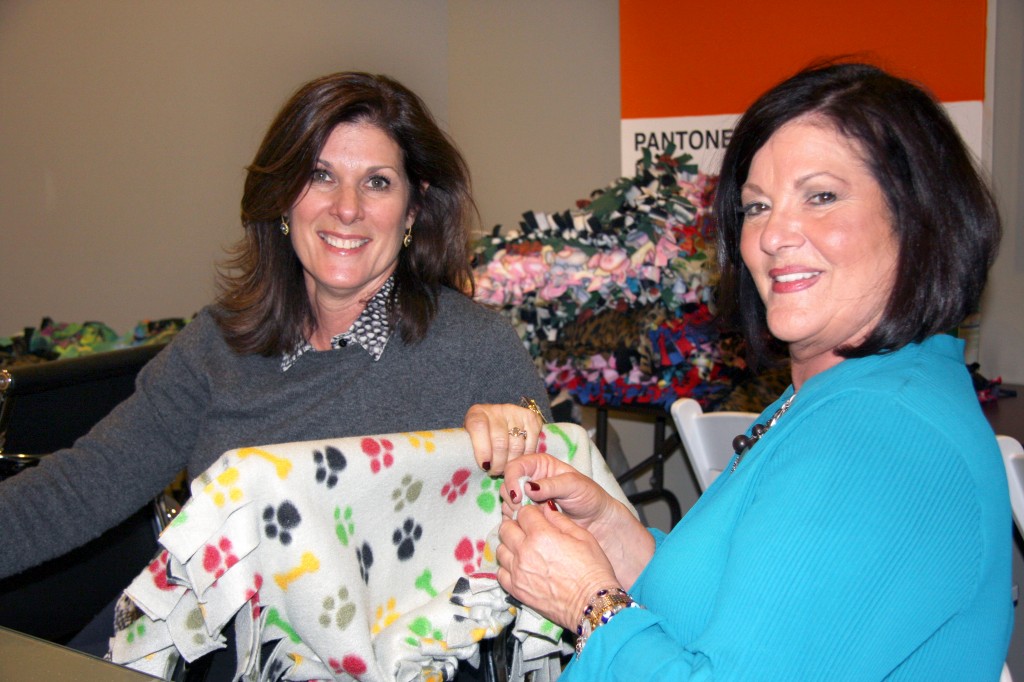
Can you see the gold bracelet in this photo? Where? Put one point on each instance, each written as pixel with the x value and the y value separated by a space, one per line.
pixel 602 608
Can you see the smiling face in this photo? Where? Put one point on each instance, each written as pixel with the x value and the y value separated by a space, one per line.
pixel 818 241
pixel 347 225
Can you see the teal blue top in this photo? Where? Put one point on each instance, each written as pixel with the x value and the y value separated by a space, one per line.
pixel 866 536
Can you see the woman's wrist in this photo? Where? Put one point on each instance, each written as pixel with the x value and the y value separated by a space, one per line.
pixel 604 605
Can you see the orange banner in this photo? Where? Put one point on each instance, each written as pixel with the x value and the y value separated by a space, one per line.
pixel 682 58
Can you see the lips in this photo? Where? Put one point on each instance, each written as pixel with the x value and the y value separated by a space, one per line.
pixel 342 243
pixel 791 279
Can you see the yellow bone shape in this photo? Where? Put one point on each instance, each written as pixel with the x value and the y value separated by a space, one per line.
pixel 282 465
pixel 308 564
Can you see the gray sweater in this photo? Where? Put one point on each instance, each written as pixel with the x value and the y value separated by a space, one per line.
pixel 198 399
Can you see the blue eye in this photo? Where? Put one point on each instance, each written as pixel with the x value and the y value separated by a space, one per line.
pixel 379 182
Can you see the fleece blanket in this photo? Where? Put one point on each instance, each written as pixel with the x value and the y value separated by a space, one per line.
pixel 364 558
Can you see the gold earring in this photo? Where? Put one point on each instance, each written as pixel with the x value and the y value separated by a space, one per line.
pixel 285 227
pixel 408 238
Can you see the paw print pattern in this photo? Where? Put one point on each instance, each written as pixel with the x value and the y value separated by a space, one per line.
pixel 158 567
pixel 470 554
pixel 222 487
pixel 280 522
pixel 338 610
pixel 343 526
pixel 422 438
pixel 487 500
pixel 456 487
pixel 351 664
pixel 405 538
pixel 329 464
pixel 379 452
pixel 195 624
pixel 542 442
pixel 253 594
pixel 386 615
pixel 409 492
pixel 424 631
pixel 217 559
pixel 365 557
pixel 276 669
pixel 137 630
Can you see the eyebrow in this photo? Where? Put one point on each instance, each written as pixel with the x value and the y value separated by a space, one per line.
pixel 800 181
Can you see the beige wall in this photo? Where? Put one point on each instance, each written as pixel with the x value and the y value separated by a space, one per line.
pixel 125 128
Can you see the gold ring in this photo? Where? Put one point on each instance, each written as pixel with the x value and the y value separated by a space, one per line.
pixel 532 406
pixel 515 432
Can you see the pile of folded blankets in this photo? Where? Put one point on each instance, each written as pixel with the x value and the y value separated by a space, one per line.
pixel 613 299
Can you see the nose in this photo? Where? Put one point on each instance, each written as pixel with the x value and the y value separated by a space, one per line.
pixel 781 230
pixel 347 204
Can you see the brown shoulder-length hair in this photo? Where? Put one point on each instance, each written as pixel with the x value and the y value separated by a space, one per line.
pixel 943 214
pixel 263 304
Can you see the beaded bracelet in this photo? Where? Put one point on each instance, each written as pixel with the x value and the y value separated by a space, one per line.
pixel 602 608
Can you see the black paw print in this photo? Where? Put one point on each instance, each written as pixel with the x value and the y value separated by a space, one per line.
pixel 278 523
pixel 275 670
pixel 365 556
pixel 405 538
pixel 328 467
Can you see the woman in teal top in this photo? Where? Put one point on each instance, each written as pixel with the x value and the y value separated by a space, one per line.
pixel 862 532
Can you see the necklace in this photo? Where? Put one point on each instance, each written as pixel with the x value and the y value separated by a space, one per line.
pixel 742 443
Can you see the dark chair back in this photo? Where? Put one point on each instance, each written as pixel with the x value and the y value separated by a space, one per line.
pixel 43 408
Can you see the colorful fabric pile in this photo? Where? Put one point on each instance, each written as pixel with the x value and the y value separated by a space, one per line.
pixel 612 299
pixel 57 340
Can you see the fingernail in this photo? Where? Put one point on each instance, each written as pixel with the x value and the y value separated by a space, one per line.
pixel 552 506
pixel 512 495
pixel 533 486
pixel 486 466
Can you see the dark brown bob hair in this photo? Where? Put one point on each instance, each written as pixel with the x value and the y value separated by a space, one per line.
pixel 263 304
pixel 943 214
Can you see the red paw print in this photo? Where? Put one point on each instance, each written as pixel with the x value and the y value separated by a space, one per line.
pixel 542 445
pixel 218 559
pixel 253 595
pixel 374 449
pixel 470 554
pixel 158 567
pixel 457 486
pixel 351 664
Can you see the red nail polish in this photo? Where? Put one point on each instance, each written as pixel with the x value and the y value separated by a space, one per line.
pixel 552 506
pixel 512 495
pixel 533 486
pixel 486 466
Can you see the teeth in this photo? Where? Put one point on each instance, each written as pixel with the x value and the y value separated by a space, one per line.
pixel 796 276
pixel 343 243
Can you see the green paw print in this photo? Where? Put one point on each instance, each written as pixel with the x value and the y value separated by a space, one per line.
pixel 343 525
pixel 488 499
pixel 425 583
pixel 408 492
pixel 422 628
pixel 341 611
pixel 137 629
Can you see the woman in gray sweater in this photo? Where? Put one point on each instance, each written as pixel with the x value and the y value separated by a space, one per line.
pixel 345 309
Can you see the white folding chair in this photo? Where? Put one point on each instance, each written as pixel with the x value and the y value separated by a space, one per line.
pixel 707 437
pixel 1013 458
